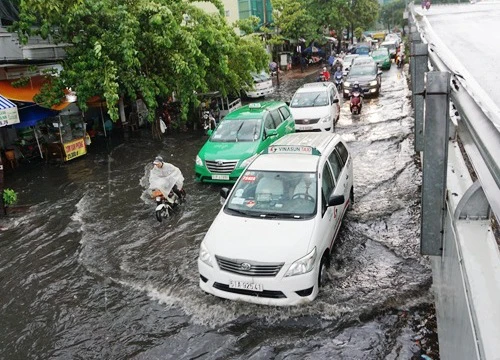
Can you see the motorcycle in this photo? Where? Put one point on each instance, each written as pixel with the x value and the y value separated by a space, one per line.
pixel 355 103
pixel 165 205
pixel 339 82
pixel 207 120
pixel 399 61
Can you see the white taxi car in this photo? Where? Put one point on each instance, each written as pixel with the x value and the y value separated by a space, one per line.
pixel 316 107
pixel 271 241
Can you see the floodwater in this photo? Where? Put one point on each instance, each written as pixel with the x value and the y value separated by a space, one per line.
pixel 88 272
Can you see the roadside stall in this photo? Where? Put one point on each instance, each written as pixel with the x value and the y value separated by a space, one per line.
pixel 8 116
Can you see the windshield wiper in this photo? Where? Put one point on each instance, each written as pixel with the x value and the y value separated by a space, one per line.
pixel 237 131
pixel 241 212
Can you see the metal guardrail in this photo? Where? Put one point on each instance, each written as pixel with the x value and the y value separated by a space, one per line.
pixel 481 119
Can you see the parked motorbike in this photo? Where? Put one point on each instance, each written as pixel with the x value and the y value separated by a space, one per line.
pixel 165 205
pixel 339 82
pixel 207 120
pixel 356 103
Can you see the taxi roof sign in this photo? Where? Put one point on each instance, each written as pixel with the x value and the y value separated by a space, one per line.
pixel 292 149
pixel 254 106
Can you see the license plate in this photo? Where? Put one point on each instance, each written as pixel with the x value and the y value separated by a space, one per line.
pixel 304 127
pixel 220 177
pixel 245 285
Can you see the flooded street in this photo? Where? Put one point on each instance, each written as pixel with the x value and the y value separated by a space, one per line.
pixel 88 272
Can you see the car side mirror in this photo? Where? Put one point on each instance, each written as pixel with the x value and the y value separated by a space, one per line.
pixel 270 132
pixel 224 192
pixel 210 132
pixel 287 103
pixel 335 200
pixel 335 101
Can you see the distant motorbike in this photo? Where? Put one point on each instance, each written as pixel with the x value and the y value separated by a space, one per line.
pixel 339 82
pixel 165 205
pixel 207 120
pixel 399 61
pixel 356 103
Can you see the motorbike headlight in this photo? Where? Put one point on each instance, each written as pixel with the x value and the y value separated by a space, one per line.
pixel 325 118
pixel 302 265
pixel 199 162
pixel 246 162
pixel 158 198
pixel 347 84
pixel 373 83
pixel 205 255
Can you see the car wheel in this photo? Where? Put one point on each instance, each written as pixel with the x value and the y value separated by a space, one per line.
pixel 323 266
pixel 351 200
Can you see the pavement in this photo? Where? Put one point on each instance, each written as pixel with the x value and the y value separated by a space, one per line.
pixel 296 73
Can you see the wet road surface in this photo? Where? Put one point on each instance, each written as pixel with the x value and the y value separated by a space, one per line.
pixel 89 273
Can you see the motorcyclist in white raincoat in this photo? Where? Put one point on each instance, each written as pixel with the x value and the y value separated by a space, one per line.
pixel 166 177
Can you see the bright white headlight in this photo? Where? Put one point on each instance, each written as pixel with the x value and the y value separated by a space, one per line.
pixel 325 118
pixel 373 83
pixel 205 255
pixel 347 84
pixel 199 162
pixel 302 265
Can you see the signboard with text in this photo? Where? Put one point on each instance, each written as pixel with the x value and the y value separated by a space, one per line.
pixel 74 148
pixel 9 116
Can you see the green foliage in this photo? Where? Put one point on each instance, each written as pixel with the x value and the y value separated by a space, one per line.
pixel 9 197
pixel 292 18
pixel 358 33
pixel 143 49
pixel 391 14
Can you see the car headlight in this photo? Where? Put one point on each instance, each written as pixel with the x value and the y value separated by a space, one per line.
pixel 302 265
pixel 373 83
pixel 205 255
pixel 325 118
pixel 246 162
pixel 199 162
pixel 347 84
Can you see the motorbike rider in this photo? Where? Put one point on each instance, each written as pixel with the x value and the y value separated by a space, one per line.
pixel 357 88
pixel 324 75
pixel 166 177
pixel 338 73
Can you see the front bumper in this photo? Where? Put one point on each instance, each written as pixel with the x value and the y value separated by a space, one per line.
pixel 259 93
pixel 278 290
pixel 204 175
pixel 368 90
pixel 319 126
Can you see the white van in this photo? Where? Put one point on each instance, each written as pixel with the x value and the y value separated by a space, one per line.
pixel 271 241
pixel 262 85
pixel 315 106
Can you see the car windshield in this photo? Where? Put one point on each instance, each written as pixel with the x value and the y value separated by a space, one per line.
pixel 237 130
pixel 309 99
pixel 260 77
pixel 348 59
pixel 274 194
pixel 362 70
pixel 379 53
pixel 363 50
pixel 389 46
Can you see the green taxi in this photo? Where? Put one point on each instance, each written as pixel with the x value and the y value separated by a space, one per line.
pixel 239 138
pixel 382 58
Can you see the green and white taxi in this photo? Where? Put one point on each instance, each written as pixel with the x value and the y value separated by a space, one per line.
pixel 239 138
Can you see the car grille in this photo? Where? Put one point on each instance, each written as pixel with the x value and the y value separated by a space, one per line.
pixel 248 268
pixel 221 166
pixel 264 294
pixel 306 121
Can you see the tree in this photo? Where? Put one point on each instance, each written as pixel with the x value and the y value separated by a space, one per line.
pixel 143 49
pixel 391 14
pixel 358 33
pixel 292 19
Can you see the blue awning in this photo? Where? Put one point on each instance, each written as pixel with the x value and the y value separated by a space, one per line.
pixel 8 112
pixel 32 114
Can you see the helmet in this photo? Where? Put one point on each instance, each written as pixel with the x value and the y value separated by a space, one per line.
pixel 158 160
pixel 324 68
pixel 356 84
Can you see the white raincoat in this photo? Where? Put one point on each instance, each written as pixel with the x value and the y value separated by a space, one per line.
pixel 165 178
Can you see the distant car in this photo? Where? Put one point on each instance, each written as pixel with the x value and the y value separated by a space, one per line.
pixel 363 49
pixel 347 63
pixel 391 46
pixel 368 76
pixel 262 85
pixel 239 138
pixel 315 107
pixel 393 37
pixel 382 58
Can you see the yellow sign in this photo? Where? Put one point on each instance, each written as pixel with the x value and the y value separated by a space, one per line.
pixel 75 148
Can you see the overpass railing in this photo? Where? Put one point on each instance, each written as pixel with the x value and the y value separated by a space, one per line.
pixel 457 132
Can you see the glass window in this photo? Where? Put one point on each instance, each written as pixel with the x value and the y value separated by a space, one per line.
pixel 274 194
pixel 237 130
pixel 310 99
pixel 285 112
pixel 327 186
pixel 269 123
pixel 335 163
pixel 344 154
pixel 276 117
